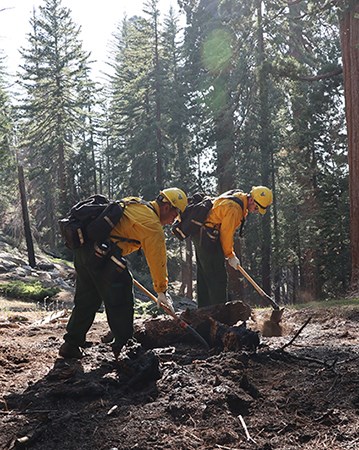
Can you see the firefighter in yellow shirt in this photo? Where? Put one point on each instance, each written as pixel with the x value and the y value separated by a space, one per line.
pixel 222 221
pixel 111 282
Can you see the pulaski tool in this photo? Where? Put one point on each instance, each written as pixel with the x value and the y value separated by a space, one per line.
pixel 180 321
pixel 277 312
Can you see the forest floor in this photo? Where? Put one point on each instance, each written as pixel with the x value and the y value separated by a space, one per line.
pixel 302 396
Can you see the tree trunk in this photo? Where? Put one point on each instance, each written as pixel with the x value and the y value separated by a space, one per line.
pixel 187 267
pixel 276 237
pixel 308 287
pixel 25 216
pixel 265 146
pixel 349 34
pixel 159 160
pixel 225 147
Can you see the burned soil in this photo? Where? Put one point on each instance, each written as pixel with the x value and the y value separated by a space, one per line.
pixel 179 395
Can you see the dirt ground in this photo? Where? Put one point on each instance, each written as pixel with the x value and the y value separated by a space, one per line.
pixel 302 396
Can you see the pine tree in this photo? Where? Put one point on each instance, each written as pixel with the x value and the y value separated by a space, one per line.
pixel 278 85
pixel 7 157
pixel 315 106
pixel 175 97
pixel 132 136
pixel 348 15
pixel 54 76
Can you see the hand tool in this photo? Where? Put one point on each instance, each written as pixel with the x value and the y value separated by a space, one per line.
pixel 277 313
pixel 180 321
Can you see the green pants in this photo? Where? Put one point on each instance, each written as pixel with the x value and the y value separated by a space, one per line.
pixel 97 283
pixel 211 274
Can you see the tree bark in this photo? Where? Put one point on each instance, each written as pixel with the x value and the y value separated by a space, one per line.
pixel 265 143
pixel 25 216
pixel 225 147
pixel 187 267
pixel 349 34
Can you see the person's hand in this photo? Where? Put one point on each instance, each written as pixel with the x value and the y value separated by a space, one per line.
pixel 234 262
pixel 164 299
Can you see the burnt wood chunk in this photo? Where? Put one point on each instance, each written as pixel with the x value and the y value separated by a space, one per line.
pixel 215 324
pixel 161 331
pixel 138 366
pixel 227 313
pixel 234 338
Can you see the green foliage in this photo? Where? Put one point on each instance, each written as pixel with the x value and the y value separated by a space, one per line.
pixel 145 308
pixel 54 125
pixel 334 302
pixel 238 99
pixel 148 139
pixel 7 159
pixel 29 290
pixel 61 261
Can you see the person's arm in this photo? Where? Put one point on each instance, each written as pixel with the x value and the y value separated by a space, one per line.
pixel 154 248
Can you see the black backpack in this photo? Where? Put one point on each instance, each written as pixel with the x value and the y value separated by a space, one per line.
pixel 91 219
pixel 194 217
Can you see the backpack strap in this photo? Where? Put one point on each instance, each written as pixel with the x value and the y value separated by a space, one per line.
pixel 134 201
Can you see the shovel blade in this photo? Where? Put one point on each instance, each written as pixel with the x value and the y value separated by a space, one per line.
pixel 276 315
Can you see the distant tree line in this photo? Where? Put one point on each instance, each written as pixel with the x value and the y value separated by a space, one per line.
pixel 247 92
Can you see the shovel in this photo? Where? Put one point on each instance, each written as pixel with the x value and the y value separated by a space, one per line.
pixel 277 313
pixel 181 322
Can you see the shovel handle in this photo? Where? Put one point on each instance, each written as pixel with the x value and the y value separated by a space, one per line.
pixel 257 287
pixel 181 322
pixel 152 297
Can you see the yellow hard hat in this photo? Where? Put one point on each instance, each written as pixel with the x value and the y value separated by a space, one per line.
pixel 176 197
pixel 263 197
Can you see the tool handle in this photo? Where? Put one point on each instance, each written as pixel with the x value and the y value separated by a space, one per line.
pixel 257 287
pixel 152 297
pixel 181 322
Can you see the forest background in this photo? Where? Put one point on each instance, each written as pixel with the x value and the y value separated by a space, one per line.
pixel 246 93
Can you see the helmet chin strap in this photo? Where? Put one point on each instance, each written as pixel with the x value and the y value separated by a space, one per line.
pixel 257 203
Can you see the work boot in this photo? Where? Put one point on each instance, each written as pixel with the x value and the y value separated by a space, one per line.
pixel 116 349
pixel 69 351
pixel 108 337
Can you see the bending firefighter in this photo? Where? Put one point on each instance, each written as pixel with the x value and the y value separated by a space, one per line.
pixel 224 218
pixel 108 280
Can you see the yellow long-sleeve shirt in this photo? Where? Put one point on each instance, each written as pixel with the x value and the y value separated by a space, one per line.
pixel 226 215
pixel 142 224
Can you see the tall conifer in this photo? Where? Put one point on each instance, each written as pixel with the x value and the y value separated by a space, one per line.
pixel 53 75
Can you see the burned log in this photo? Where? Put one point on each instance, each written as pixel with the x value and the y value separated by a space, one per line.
pixel 219 317
pixel 161 331
pixel 215 324
pixel 227 313
pixel 235 338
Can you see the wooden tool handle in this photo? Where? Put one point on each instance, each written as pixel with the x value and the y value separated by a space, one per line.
pixel 257 288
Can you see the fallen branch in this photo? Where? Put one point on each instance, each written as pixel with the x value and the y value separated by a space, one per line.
pixel 226 448
pixel 19 413
pixel 246 429
pixel 308 359
pixel 333 384
pixel 296 335
pixel 53 317
pixel 325 364
pixel 353 358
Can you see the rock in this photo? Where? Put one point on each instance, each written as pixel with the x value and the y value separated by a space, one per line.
pixel 14 267
pixel 21 272
pixel 45 266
